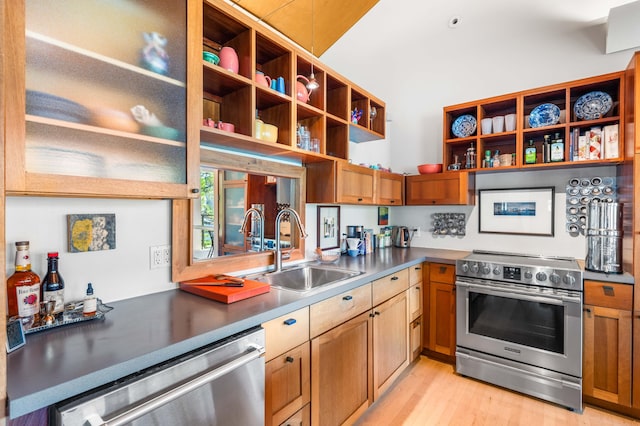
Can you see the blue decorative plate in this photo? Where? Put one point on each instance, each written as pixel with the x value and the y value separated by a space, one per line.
pixel 464 126
pixel 544 115
pixel 592 105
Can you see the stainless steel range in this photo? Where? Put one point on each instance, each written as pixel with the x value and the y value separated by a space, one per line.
pixel 519 324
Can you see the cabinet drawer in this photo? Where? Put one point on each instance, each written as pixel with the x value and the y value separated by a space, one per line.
pixel 286 332
pixel 442 273
pixel 334 311
pixel 387 287
pixel 415 274
pixel 608 295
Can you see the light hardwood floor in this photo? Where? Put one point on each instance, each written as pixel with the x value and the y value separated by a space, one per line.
pixel 430 393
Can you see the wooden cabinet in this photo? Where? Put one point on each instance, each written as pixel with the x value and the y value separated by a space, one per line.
pixel 287 370
pixel 345 183
pixel 341 370
pixel 334 311
pixel 301 418
pixel 523 104
pixel 415 291
pixel 390 342
pixel 440 188
pixel 440 337
pixel 388 286
pixel 415 338
pixel 607 342
pixel 79 88
pixel 238 98
pixel 389 188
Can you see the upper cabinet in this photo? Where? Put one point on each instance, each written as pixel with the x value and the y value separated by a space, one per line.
pixel 582 121
pixel 96 111
pixel 261 93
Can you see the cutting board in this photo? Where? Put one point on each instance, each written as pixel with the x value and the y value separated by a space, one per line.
pixel 224 294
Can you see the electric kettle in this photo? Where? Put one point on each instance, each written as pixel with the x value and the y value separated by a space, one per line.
pixel 401 236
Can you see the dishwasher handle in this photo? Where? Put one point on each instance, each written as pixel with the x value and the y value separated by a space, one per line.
pixel 132 413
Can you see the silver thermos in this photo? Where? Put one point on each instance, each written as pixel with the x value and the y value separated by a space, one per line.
pixel 604 238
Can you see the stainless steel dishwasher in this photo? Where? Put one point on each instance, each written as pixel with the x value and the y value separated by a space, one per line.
pixel 220 384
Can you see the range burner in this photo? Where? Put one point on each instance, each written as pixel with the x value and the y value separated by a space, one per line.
pixel 543 271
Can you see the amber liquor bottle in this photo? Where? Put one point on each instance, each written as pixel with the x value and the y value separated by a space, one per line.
pixel 53 284
pixel 23 288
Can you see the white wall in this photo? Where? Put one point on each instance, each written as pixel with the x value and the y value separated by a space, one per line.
pixel 404 53
pixel 409 57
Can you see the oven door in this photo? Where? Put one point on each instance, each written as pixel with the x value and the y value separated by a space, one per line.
pixel 542 328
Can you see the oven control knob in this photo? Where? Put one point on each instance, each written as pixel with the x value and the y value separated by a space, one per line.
pixel 570 280
pixel 541 276
pixel 474 268
pixel 465 268
pixel 496 271
pixel 554 278
pixel 486 269
pixel 528 275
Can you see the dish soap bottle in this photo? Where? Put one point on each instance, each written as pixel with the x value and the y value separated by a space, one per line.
pixel 530 153
pixel 90 304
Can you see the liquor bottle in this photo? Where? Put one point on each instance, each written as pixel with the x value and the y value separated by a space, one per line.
pixel 530 153
pixel 546 149
pixel 23 288
pixel 557 149
pixel 53 284
pixel 90 305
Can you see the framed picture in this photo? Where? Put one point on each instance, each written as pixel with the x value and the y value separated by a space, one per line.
pixel 383 215
pixel 328 227
pixel 91 232
pixel 525 211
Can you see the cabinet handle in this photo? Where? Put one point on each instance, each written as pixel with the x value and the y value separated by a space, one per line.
pixel 587 310
pixel 417 287
pixel 195 190
pixel 608 290
pixel 290 321
pixel 443 269
pixel 417 268
pixel 394 278
pixel 359 200
pixel 376 313
pixel 393 201
pixel 371 315
pixel 289 359
pixel 347 297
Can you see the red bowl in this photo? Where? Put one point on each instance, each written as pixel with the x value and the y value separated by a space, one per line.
pixel 425 169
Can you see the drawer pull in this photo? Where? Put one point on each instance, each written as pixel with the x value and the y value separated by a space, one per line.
pixel 417 268
pixel 608 290
pixel 376 313
pixel 290 321
pixel 347 297
pixel 587 310
pixel 371 315
pixel 443 269
pixel 394 278
pixel 289 359
pixel 417 287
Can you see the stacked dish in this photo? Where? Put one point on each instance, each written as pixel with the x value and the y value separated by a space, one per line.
pixel 51 106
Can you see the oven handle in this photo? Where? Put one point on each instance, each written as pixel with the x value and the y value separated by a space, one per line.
pixel 554 300
pixel 132 413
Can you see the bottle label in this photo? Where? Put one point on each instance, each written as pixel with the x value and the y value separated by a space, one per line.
pixel 557 151
pixel 23 261
pixel 90 306
pixel 58 296
pixel 28 298
pixel 530 155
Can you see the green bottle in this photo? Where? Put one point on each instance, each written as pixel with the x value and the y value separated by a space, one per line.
pixel 530 153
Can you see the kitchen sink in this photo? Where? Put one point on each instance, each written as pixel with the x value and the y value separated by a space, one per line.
pixel 305 278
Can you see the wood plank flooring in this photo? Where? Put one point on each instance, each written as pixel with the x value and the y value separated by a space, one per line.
pixel 430 393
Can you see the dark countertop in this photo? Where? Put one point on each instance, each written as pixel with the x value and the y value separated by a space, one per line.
pixel 143 331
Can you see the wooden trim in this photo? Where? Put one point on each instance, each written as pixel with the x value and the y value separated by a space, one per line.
pixel 3 313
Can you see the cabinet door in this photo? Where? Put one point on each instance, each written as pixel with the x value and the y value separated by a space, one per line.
pixel 106 112
pixel 355 184
pixel 442 318
pixel 301 418
pixel 607 354
pixel 287 386
pixel 390 188
pixel 341 372
pixel 390 342
pixel 440 189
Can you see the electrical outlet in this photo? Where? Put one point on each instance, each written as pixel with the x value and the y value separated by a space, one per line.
pixel 416 232
pixel 159 256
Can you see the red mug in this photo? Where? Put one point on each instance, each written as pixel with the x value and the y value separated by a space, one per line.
pixel 227 127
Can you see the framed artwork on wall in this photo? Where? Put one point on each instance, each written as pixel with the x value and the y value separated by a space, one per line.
pixel 328 227
pixel 521 211
pixel 383 215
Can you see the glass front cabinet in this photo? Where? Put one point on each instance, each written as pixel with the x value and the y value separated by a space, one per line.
pixel 98 94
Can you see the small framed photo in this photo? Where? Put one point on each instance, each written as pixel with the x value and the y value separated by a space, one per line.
pixel 15 335
pixel 526 211
pixel 383 215
pixel 328 227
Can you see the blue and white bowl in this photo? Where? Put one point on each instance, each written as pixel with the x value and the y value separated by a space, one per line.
pixel 464 126
pixel 544 115
pixel 592 105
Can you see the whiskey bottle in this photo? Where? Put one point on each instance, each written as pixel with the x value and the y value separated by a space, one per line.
pixel 23 288
pixel 53 284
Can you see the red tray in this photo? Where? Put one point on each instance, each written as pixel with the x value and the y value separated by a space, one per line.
pixel 224 294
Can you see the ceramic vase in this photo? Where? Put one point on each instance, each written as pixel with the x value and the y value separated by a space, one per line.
pixel 229 59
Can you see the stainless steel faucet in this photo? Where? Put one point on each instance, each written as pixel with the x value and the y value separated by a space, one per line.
pixel 245 220
pixel 303 234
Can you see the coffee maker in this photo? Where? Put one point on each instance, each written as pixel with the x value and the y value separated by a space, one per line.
pixel 604 238
pixel 357 231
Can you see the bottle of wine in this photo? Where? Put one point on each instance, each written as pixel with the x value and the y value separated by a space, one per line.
pixel 53 284
pixel 23 288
